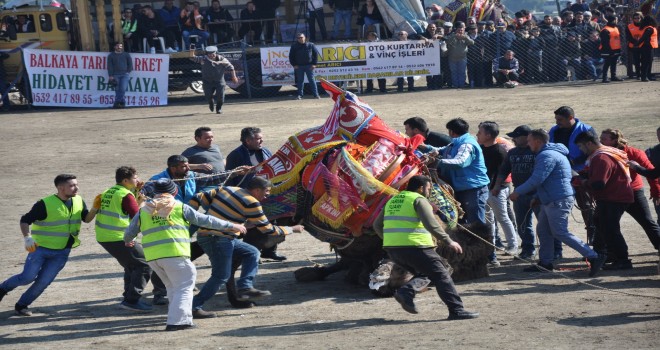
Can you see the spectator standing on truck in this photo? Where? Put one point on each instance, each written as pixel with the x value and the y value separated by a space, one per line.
pixel 119 66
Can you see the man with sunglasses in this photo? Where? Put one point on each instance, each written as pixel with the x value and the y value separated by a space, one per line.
pixel 303 56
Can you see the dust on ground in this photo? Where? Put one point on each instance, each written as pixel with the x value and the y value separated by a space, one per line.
pixel 80 309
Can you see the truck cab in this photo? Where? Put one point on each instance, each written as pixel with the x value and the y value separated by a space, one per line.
pixel 31 27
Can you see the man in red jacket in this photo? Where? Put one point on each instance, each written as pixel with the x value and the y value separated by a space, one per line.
pixel 608 179
pixel 639 210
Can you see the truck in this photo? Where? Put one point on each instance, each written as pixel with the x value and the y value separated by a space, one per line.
pixel 60 28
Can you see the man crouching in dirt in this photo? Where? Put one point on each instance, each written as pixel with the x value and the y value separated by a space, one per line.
pixel 407 226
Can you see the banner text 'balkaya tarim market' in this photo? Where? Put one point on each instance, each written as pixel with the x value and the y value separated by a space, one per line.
pixel 356 61
pixel 80 79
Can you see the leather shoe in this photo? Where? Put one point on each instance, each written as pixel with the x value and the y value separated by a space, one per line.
pixel 462 315
pixel 273 256
pixel 596 263
pixel 160 300
pixel 199 313
pixel 407 303
pixel 539 268
pixel 178 327
pixel 619 265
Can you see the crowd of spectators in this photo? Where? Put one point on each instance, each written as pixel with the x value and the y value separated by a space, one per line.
pixel 169 29
pixel 579 44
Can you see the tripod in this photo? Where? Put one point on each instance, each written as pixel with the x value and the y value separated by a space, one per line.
pixel 315 14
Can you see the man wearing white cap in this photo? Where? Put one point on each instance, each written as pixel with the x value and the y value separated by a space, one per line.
pixel 164 223
pixel 213 76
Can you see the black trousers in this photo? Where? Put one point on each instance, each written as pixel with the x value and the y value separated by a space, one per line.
pixel 633 63
pixel 136 270
pixel 317 16
pixel 608 235
pixel 382 85
pixel 399 83
pixel 426 261
pixel 214 91
pixel 486 69
pixel 433 82
pixel 610 63
pixel 641 212
pixel 646 62
pixel 587 207
pixel 502 78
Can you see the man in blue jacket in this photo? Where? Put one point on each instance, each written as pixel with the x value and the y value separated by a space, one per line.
pixel 463 164
pixel 565 131
pixel 551 179
pixel 303 56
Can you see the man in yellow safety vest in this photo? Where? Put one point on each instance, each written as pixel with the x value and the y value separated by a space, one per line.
pixel 55 227
pixel 119 204
pixel 164 223
pixel 407 226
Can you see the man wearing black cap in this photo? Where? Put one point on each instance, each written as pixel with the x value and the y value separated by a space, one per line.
pixel 213 76
pixel 164 223
pixel 519 163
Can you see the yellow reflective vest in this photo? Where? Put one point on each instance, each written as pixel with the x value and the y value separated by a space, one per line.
pixel 60 223
pixel 165 238
pixel 111 221
pixel 402 227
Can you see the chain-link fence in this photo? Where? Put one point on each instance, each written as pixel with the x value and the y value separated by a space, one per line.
pixel 540 55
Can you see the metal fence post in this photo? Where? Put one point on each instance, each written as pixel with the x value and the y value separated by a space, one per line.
pixel 246 70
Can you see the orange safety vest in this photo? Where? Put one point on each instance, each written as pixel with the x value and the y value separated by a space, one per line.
pixel 654 37
pixel 615 38
pixel 636 33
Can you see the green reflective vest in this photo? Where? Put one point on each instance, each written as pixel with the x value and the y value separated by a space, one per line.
pixel 128 26
pixel 165 239
pixel 402 227
pixel 60 223
pixel 110 219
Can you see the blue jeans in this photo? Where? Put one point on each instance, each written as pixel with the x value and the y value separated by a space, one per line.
pixel 457 69
pixel 342 16
pixel 553 224
pixel 41 267
pixel 221 252
pixel 473 202
pixel 524 222
pixel 299 75
pixel 122 85
pixel 203 35
pixel 591 64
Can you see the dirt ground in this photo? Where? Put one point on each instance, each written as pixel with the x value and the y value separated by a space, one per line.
pixel 518 310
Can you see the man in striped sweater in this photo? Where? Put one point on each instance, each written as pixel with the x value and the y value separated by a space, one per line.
pixel 240 206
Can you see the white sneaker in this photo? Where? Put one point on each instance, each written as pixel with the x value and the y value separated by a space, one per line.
pixel 170 50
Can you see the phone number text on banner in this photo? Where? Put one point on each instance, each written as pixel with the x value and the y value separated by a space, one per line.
pixel 355 61
pixel 80 79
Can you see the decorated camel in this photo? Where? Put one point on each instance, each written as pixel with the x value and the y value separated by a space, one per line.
pixel 336 178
